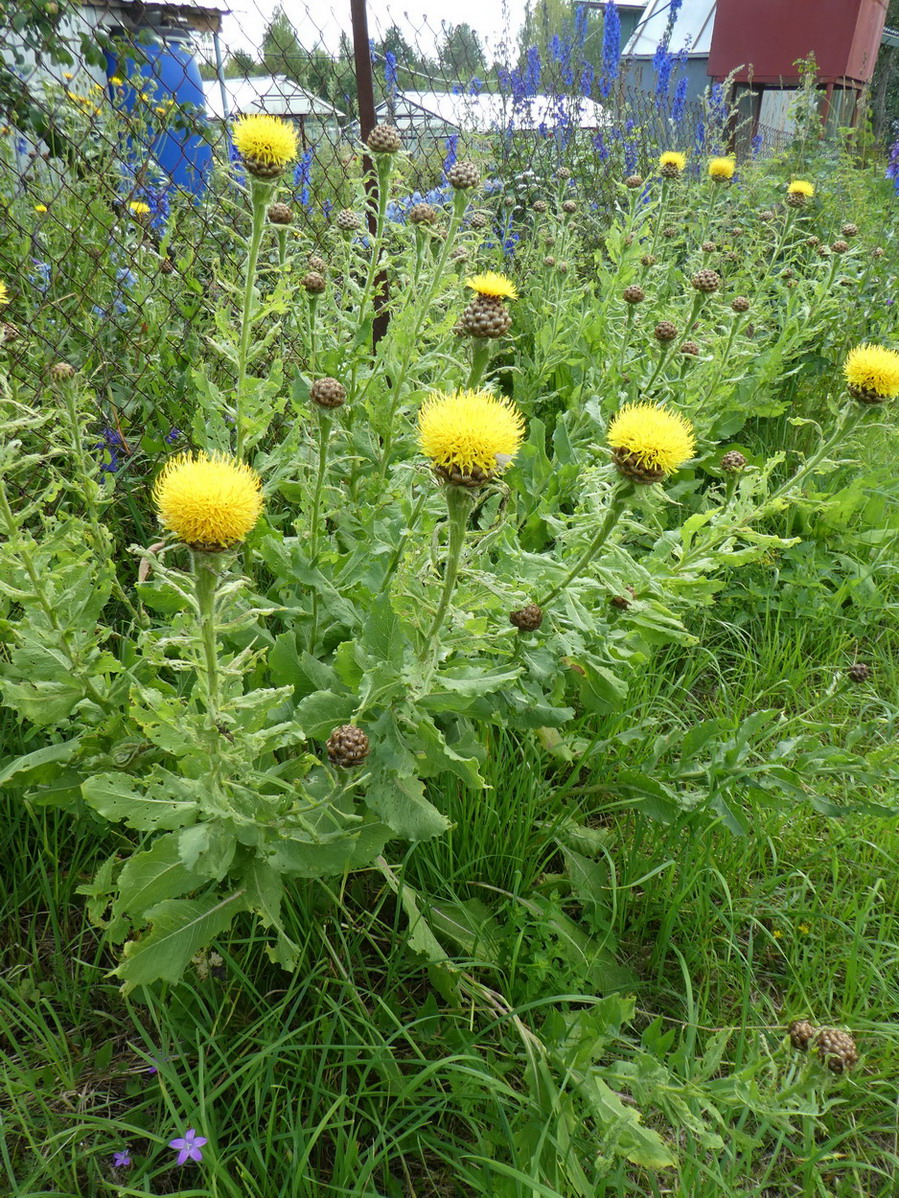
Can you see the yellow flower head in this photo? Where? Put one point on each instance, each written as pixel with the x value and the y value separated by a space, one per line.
pixel 872 371
pixel 650 442
pixel 722 168
pixel 209 502
pixel 40 207
pixel 673 158
pixel 116 81
pixel 138 207
pixel 4 293
pixel 470 435
pixel 265 142
pixel 799 187
pixel 493 284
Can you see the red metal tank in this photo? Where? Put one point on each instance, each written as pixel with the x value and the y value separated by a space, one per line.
pixel 765 37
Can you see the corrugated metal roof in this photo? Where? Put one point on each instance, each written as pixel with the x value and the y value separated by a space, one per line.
pixel 890 37
pixel 274 94
pixel 692 28
pixel 488 111
pixel 217 7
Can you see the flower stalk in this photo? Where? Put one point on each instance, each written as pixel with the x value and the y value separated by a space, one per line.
pixel 459 502
pixel 617 504
pixel 260 193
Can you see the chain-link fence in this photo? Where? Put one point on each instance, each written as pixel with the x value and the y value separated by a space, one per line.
pixel 121 204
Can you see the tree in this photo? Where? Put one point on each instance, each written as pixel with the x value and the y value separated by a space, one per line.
pixel 282 53
pixel 461 54
pixel 240 64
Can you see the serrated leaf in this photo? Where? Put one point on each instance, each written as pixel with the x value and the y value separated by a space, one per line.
pixel 158 807
pixel 180 928
pixel 32 767
pixel 151 877
pixel 401 803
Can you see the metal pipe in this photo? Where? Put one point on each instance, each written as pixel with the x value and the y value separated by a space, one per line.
pixel 220 71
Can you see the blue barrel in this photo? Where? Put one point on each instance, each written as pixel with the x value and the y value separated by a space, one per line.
pixel 164 69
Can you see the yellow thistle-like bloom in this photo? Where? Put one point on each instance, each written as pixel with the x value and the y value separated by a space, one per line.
pixel 650 442
pixel 470 435
pixel 267 144
pixel 116 81
pixel 800 187
pixel 4 293
pixel 722 168
pixel 872 372
pixel 40 207
pixel 493 284
pixel 138 208
pixel 673 158
pixel 209 502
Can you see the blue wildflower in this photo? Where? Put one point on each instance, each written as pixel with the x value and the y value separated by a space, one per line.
pixel 172 435
pixel 41 276
pixel 680 100
pixel 390 73
pixel 121 1160
pixel 188 1146
pixel 757 143
pixel 452 144
pixel 302 174
pixel 111 444
pixel 611 47
pixel 532 72
pixel 601 148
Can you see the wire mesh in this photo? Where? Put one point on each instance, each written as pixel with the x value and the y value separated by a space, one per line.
pixel 121 203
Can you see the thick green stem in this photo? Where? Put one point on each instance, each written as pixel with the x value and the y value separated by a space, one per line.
pixel 206 567
pixel 282 246
pixel 459 502
pixel 384 168
pixel 324 432
pixel 313 313
pixel 260 194
pixel 664 349
pixel 660 215
pixel 626 336
pixel 404 539
pixel 480 356
pixel 617 504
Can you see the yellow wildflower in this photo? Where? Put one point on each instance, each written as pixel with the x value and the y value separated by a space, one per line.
pixel 138 208
pixel 4 293
pixel 493 284
pixel 470 435
pixel 209 502
pixel 872 372
pixel 722 168
pixel 267 144
pixel 40 207
pixel 674 161
pixel 800 187
pixel 116 81
pixel 650 442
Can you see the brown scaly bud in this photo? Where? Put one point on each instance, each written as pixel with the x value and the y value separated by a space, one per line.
pixel 509 202
pixel 633 182
pixel 648 260
pixel 563 172
pixel 633 294
pixel 539 206
pixel 569 206
pixel 549 260
pixel 486 316
pixel 733 461
pixel 844 282
pixel 766 215
pixel 455 476
pixel 740 303
pixel 549 239
pixel 691 348
pixel 849 229
pixel 665 331
pixel 859 672
pixel 629 240
pixel 802 1033
pixel 824 251
pixel 836 1049
pixel 814 242
pixel 563 268
pixel 788 273
pixel 737 231
pixel 8 333
pixel 670 170
pixel 632 466
pixel 327 393
pixel 877 252
pixel 796 199
pixel 731 256
pixel 706 280
pixel 347 746
pixel 166 266
pixel 459 254
pixel 347 220
pixel 709 247
pixel 384 139
pixel 622 602
pixel 280 214
pixel 527 618
pixel 840 247
pixel 669 231
pixel 463 175
pixel 61 372
pixel 317 264
pixel 313 282
pixel 478 220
